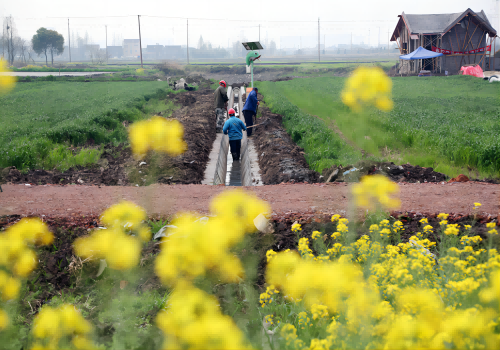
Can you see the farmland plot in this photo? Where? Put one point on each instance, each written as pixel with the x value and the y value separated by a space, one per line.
pixel 38 118
pixel 449 123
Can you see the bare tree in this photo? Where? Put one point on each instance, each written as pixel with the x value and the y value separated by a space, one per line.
pixel 20 45
pixel 10 33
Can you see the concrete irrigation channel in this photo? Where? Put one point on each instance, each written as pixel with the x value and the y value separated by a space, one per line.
pixel 221 170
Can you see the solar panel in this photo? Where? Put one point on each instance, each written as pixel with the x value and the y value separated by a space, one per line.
pixel 253 45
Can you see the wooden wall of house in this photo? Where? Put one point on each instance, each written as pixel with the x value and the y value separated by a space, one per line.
pixel 455 40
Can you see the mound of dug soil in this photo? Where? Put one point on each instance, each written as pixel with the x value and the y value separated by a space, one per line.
pixel 397 173
pixel 280 159
pixel 198 118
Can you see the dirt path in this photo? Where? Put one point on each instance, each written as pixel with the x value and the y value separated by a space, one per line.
pixel 55 200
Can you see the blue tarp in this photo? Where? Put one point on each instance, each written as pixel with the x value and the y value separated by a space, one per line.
pixel 420 54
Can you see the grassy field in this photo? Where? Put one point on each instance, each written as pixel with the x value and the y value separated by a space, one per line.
pixel 449 123
pixel 41 119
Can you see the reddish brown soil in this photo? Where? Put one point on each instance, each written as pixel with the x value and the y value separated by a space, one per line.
pixel 55 200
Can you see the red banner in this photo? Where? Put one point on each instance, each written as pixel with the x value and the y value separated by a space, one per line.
pixel 470 52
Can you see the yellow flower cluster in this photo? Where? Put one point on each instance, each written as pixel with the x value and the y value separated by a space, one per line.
pixel 304 249
pixel 315 235
pixel 368 86
pixel 198 247
pixel 289 333
pixel 62 327
pixel 158 134
pixel 492 225
pixel 296 227
pixel 319 311
pixel 270 254
pixel 115 243
pixel 17 259
pixel 451 229
pixel 376 190
pixel 14 245
pixel 192 320
pixel 266 297
pixel 410 299
pixel 7 82
pixel 335 217
pixel 4 319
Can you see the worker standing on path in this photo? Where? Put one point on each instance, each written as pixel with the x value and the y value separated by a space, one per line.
pixel 250 109
pixel 220 99
pixel 233 127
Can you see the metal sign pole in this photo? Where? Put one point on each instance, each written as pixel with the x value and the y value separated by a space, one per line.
pixel 251 71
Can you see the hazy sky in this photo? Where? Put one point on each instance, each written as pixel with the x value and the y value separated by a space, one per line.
pixel 279 20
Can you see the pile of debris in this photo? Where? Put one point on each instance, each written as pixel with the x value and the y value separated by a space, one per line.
pixel 397 173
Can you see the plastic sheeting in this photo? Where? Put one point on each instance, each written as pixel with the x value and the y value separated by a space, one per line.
pixel 420 54
pixel 475 71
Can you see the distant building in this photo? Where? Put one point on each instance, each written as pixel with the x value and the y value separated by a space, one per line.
pixel 115 51
pixel 463 38
pixel 131 48
pixel 174 52
pixel 154 52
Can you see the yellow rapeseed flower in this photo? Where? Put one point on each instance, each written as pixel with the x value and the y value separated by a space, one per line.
pixel 239 206
pixel 7 82
pixel 4 320
pixel 451 230
pixel 296 227
pixel 157 134
pixel 443 216
pixel 270 254
pixel 424 221
pixel 11 289
pixel 315 235
pixel 125 253
pixel 376 190
pixel 124 215
pixel 335 217
pixel 26 263
pixel 53 324
pixel 368 86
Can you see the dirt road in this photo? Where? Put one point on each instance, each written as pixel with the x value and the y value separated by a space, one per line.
pixel 56 200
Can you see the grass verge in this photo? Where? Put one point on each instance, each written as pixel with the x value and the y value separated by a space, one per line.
pixel 322 146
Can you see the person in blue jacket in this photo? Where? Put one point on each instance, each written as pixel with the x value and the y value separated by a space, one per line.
pixel 250 109
pixel 233 127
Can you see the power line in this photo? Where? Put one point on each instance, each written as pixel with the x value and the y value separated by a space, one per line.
pixel 212 19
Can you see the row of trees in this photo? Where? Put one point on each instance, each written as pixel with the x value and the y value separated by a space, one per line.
pixel 44 42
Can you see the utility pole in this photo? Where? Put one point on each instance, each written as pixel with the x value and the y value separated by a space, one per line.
pixel 319 57
pixel 3 41
pixel 107 44
pixel 379 38
pixel 388 40
pixel 351 43
pixel 140 41
pixel 259 33
pixel 187 38
pixel 69 43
